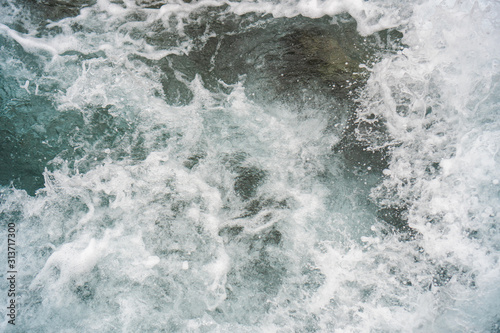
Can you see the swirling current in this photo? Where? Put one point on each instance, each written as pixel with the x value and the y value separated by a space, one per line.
pixel 250 166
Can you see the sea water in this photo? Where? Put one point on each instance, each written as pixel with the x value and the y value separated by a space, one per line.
pixel 202 166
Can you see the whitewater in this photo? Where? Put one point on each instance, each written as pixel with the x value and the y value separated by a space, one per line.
pixel 250 166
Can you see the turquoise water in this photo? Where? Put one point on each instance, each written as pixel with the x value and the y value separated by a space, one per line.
pixel 253 166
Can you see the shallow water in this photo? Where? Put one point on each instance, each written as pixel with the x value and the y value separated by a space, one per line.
pixel 253 166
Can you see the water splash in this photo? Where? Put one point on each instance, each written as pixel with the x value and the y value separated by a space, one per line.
pixel 189 186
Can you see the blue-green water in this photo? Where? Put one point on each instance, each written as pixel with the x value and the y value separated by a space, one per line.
pixel 252 166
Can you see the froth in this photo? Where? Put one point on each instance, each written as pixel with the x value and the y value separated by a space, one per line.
pixel 215 211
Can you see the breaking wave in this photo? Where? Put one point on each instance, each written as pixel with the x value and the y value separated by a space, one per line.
pixel 251 166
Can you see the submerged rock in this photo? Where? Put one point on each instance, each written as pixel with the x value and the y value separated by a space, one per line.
pixel 332 60
pixel 286 60
pixel 321 57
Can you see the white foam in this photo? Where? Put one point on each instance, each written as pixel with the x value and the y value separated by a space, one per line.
pixel 450 73
pixel 370 17
pixel 153 228
pixel 28 43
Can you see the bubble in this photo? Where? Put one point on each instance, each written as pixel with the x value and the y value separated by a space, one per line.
pixel 234 166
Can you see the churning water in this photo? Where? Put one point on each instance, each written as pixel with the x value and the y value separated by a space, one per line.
pixel 250 166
